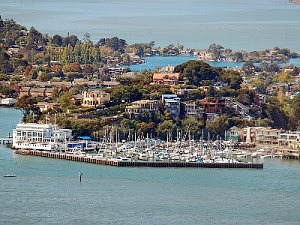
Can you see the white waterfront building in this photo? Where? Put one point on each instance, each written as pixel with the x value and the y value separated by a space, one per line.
pixel 40 137
pixel 8 101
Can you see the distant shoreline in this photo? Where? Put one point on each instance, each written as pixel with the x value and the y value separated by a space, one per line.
pixel 295 1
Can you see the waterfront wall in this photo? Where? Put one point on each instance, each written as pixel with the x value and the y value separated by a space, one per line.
pixel 138 163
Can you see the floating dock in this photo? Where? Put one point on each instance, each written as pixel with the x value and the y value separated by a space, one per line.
pixel 95 160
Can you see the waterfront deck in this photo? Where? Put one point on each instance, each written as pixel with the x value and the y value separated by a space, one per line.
pixel 6 140
pixel 108 162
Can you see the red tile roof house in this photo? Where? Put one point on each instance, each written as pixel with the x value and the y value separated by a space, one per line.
pixel 166 78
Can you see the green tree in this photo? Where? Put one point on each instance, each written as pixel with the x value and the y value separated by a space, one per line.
pixel 5 64
pixel 284 77
pixel 273 111
pixel 3 77
pixel 34 39
pixel 219 126
pixel 216 50
pixel 26 104
pixel 246 96
pixel 263 122
pixel 192 125
pixel 281 96
pixel 145 128
pixel 7 91
pixel 295 105
pixel 232 78
pixel 65 100
pixel 57 40
pixel 1 23
pixel 71 40
pixel 127 124
pixel 211 92
pixel 118 93
pixel 116 44
pixel 166 128
pixel 194 72
pixel 249 68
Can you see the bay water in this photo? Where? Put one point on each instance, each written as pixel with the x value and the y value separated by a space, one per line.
pixel 236 24
pixel 153 62
pixel 48 191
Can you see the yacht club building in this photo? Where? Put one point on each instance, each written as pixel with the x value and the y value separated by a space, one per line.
pixel 40 136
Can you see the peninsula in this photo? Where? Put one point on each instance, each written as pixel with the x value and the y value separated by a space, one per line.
pixel 87 88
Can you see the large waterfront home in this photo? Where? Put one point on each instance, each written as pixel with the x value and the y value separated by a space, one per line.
pixel 40 137
pixel 94 98
pixel 142 106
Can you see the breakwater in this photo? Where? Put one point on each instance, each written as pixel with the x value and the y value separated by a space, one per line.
pixel 111 162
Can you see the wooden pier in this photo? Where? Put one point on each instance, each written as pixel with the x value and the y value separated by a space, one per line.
pixel 6 140
pixel 95 160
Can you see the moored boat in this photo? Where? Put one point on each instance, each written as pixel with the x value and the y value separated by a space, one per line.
pixel 9 175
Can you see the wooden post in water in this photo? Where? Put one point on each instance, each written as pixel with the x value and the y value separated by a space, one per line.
pixel 80 175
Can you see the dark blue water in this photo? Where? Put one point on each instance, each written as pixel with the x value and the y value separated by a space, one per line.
pixel 48 191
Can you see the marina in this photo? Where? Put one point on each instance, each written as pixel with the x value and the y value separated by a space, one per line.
pixel 165 193
pixel 95 160
pixel 50 141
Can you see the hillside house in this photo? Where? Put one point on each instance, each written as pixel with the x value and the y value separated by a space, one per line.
pixel 142 106
pixel 166 78
pixel 95 98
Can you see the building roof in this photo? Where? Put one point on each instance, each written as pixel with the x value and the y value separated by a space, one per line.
pixel 172 100
pixel 110 83
pixel 37 89
pixel 34 126
pixel 169 76
pixel 25 89
pixel 96 91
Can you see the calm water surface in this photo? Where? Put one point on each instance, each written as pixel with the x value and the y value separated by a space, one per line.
pixel 158 61
pixel 47 191
pixel 236 24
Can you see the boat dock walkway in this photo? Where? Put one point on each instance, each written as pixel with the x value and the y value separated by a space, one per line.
pixel 6 140
pixel 108 162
